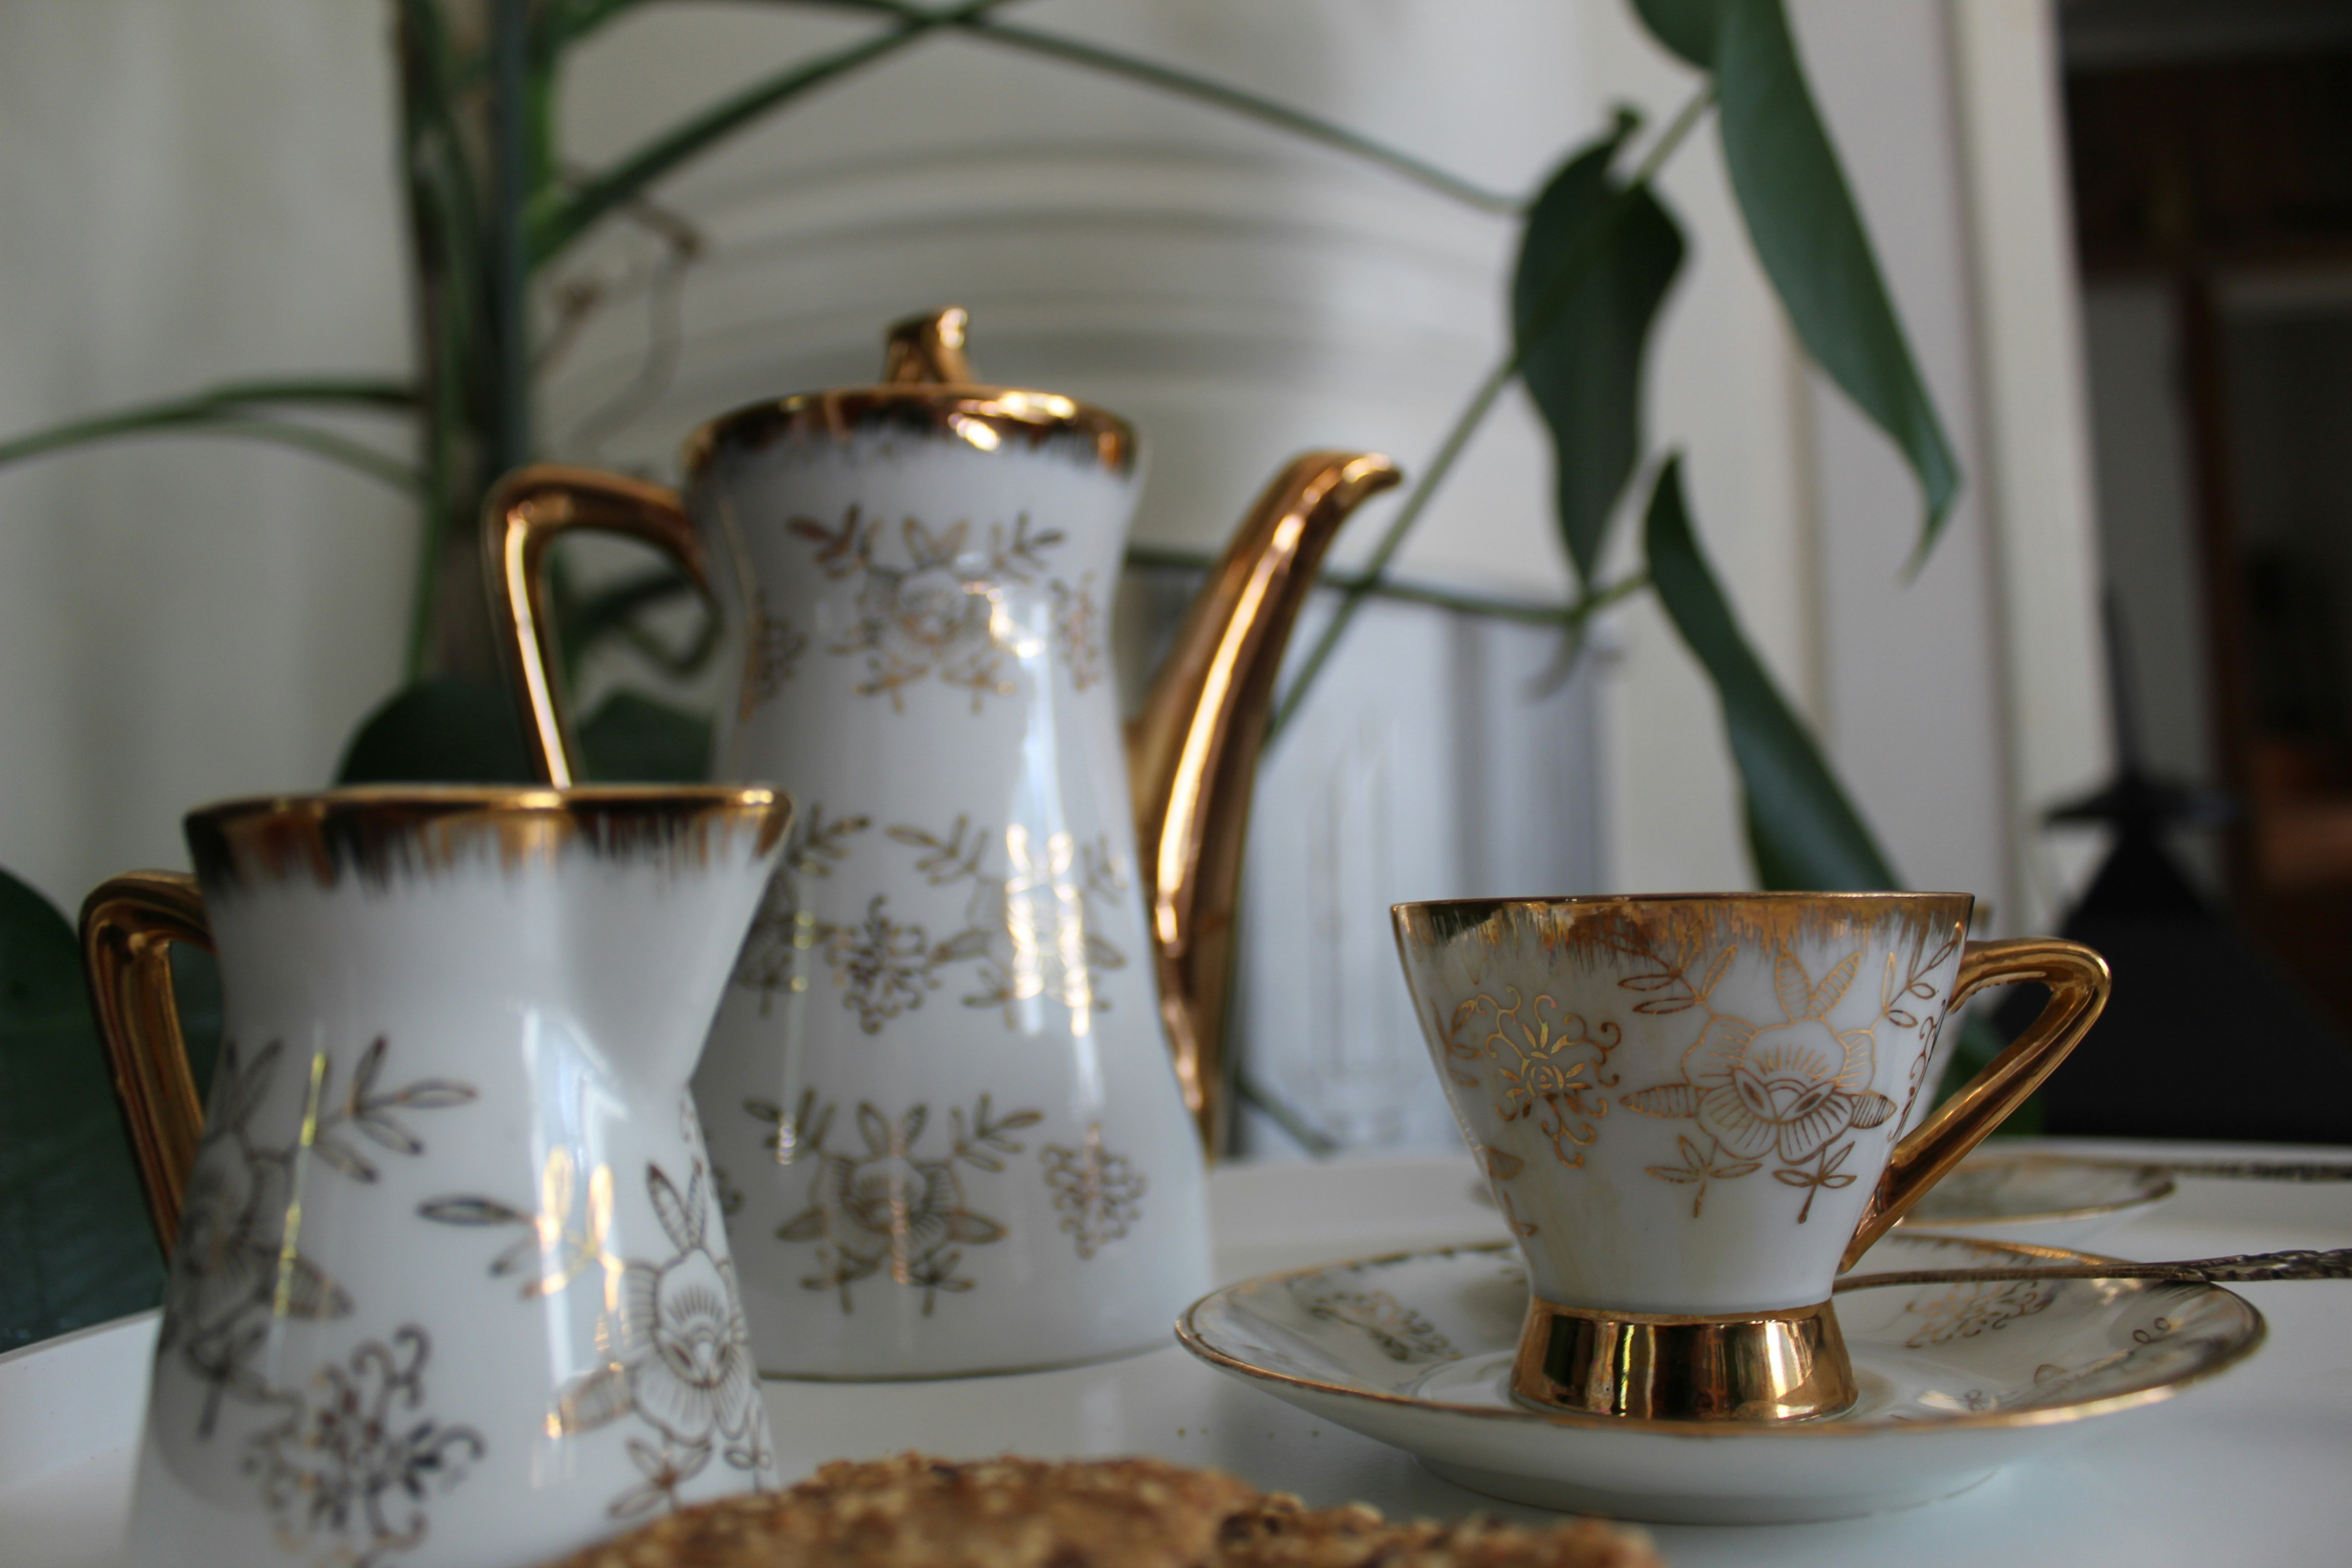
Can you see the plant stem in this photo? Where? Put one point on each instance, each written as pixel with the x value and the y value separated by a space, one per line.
pixel 1525 612
pixel 509 270
pixel 1579 260
pixel 230 401
pixel 1184 84
pixel 307 438
pixel 570 216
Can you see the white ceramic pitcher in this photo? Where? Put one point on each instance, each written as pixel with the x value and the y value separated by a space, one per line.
pixel 941 1083
pixel 449 1285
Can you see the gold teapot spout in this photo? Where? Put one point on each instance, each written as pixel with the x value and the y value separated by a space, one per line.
pixel 1192 755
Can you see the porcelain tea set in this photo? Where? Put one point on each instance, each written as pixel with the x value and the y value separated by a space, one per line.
pixel 548 1120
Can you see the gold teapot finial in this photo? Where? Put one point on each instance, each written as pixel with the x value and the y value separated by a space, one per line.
pixel 928 350
pixel 1192 755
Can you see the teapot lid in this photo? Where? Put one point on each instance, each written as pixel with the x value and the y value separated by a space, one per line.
pixel 929 389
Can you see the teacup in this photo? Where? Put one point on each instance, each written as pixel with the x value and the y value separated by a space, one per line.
pixel 448 1279
pixel 1690 1110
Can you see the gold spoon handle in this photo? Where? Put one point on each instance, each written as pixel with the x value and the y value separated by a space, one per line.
pixel 2247 1268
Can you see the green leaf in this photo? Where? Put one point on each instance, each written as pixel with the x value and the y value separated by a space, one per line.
pixel 1686 26
pixel 74 1230
pixel 1802 830
pixel 636 740
pixel 442 730
pixel 1581 347
pixel 1806 228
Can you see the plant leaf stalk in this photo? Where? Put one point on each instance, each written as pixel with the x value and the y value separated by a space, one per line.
pixel 1520 612
pixel 1204 89
pixel 1586 254
pixel 564 217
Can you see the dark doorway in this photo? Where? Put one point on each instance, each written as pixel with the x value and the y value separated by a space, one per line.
pixel 2212 147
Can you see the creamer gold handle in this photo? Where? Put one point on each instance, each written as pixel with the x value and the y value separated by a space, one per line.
pixel 527 511
pixel 128 926
pixel 2078 982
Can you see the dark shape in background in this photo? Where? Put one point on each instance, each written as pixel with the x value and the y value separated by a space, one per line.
pixel 2205 1036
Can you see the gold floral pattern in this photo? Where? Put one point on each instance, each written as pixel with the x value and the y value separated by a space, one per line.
pixel 777 949
pixel 770 653
pixel 238 1264
pixel 936 607
pixel 348 1467
pixel 346 1477
pixel 1548 1066
pixel 886 1210
pixel 1965 1310
pixel 1402 1333
pixel 1098 1195
pixel 1781 1093
pixel 1078 630
pixel 677 1353
pixel 1033 930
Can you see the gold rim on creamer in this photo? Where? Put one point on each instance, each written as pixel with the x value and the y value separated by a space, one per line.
pixel 986 418
pixel 1188 1333
pixel 382 830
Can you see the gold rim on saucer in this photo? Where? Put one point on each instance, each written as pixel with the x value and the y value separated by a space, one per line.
pixel 2248 1331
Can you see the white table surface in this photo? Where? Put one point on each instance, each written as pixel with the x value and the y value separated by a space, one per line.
pixel 2252 1469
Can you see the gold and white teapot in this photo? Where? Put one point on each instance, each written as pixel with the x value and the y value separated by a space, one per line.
pixel 971 1051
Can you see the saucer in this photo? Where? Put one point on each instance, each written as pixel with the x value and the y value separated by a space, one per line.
pixel 2050 1200
pixel 1956 1381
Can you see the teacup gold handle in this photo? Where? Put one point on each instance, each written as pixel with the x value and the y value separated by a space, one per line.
pixel 2078 982
pixel 526 511
pixel 128 926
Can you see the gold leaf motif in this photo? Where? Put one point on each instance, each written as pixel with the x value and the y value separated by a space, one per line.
pixel 892 1211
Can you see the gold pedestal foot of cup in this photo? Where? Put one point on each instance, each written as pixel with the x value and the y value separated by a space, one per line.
pixel 1766 1367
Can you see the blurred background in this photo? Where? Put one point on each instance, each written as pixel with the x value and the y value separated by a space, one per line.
pixel 2118 231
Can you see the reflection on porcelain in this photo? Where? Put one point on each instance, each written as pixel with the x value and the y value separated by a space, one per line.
pixel 1956 1381
pixel 2049 1199
pixel 960 1074
pixel 1688 1108
pixel 449 1283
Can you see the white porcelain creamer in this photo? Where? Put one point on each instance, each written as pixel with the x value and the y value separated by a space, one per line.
pixel 448 1284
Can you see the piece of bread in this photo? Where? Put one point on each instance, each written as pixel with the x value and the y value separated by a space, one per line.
pixel 911 1512
pixel 1282 1532
pixel 915 1512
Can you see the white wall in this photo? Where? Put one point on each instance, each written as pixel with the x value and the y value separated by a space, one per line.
pixel 187 194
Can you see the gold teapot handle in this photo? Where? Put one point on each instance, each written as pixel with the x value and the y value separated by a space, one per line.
pixel 2078 982
pixel 128 926
pixel 525 513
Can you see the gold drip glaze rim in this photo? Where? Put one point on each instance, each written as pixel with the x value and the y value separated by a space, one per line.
pixel 381 831
pixel 986 418
pixel 1594 901
pixel 1189 1334
pixel 1595 922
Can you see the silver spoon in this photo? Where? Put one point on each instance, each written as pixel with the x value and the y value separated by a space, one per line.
pixel 2247 1268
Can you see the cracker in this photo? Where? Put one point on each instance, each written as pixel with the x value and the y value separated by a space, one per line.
pixel 913 1512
